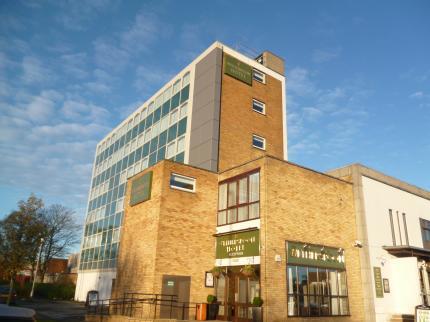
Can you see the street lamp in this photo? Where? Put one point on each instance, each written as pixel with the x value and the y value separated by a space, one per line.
pixel 37 266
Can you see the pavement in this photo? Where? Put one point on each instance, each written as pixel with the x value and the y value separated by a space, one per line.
pixel 50 311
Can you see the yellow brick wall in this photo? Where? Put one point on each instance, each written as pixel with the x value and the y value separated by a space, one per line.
pixel 238 121
pixel 299 204
pixel 139 234
pixel 170 234
pixel 187 222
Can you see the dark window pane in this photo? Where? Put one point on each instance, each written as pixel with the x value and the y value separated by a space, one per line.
pixel 152 159
pixel 162 138
pixel 157 115
pixel 166 108
pixel 180 157
pixel 172 132
pixel 175 101
pixel 135 131
pixel 154 144
pixel 138 155
pixel 302 274
pixel 161 153
pixel 128 136
pixel 185 92
pixel 131 158
pixel 149 120
pixel 145 150
pixel 182 126
pixel 141 126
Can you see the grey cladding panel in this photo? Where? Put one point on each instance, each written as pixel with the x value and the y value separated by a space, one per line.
pixel 205 113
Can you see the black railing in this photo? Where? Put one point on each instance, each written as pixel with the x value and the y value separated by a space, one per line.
pixel 144 306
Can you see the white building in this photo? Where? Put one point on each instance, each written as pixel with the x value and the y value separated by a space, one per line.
pixel 179 122
pixel 393 225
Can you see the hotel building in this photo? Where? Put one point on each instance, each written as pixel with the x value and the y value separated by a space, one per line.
pixel 198 178
pixel 194 119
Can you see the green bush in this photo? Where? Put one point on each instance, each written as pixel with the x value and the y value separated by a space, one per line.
pixel 211 298
pixel 257 301
pixel 23 291
pixel 54 291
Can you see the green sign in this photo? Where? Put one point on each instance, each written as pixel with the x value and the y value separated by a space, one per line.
pixel 315 255
pixel 237 69
pixel 243 244
pixel 378 282
pixel 141 189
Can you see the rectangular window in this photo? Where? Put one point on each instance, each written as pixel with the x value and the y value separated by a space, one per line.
pixel 239 199
pixel 258 106
pixel 258 142
pixel 184 183
pixel 425 232
pixel 315 291
pixel 259 76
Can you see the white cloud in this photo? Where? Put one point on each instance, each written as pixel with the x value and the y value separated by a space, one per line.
pixel 33 71
pixel 312 113
pixel 75 65
pixel 147 78
pixel 298 82
pixel 325 55
pixel 417 95
pixel 41 107
pixel 83 111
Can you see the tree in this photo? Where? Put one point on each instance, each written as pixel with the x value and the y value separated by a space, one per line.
pixel 61 234
pixel 20 233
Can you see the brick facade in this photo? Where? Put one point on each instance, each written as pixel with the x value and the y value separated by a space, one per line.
pixel 239 121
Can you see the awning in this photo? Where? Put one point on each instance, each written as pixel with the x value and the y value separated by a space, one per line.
pixel 408 251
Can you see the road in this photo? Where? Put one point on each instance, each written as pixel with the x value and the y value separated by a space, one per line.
pixel 49 311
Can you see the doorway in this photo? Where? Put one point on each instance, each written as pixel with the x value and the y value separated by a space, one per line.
pixel 178 286
pixel 235 292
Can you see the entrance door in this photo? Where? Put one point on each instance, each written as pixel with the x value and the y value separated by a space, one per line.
pixel 236 292
pixel 180 287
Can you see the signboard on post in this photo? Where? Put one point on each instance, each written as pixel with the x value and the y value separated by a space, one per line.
pixel 237 69
pixel 422 314
pixel 243 244
pixel 304 254
pixel 378 282
pixel 141 189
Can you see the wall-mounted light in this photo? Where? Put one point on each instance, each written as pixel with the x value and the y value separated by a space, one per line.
pixel 358 244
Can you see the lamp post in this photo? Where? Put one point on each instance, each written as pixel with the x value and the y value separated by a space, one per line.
pixel 37 266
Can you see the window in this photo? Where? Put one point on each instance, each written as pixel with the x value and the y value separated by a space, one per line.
pixel 258 142
pixel 180 182
pixel 239 199
pixel 258 106
pixel 425 232
pixel 259 76
pixel 316 291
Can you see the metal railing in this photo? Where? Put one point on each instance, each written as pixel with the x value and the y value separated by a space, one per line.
pixel 144 306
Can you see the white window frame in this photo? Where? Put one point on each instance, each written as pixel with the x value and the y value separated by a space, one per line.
pixel 179 176
pixel 263 76
pixel 259 103
pixel 258 137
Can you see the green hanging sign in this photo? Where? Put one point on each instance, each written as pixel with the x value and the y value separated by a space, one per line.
pixel 378 282
pixel 237 69
pixel 243 244
pixel 141 189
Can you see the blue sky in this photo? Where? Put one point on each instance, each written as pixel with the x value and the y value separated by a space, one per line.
pixel 358 86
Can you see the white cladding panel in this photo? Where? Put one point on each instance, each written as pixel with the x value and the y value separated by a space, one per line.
pixel 94 280
pixel 402 273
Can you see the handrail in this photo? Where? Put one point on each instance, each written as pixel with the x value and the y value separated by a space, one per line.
pixel 133 303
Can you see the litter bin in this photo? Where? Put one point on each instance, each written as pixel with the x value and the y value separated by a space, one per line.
pixel 201 311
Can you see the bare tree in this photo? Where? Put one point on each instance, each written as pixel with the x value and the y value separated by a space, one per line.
pixel 61 234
